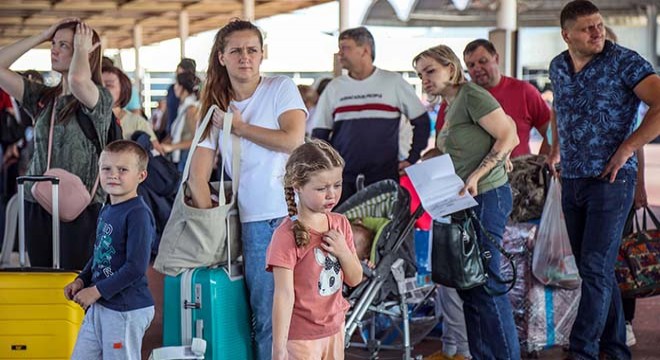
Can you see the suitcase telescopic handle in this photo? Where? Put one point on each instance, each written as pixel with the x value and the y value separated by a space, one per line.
pixel 55 181
pixel 37 178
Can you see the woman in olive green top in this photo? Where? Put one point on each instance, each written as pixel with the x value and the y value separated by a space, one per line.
pixel 478 136
pixel 76 55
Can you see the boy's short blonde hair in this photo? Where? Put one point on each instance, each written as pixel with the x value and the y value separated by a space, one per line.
pixel 128 146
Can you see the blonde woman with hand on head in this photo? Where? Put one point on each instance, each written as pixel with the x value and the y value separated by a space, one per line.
pixel 269 118
pixel 79 97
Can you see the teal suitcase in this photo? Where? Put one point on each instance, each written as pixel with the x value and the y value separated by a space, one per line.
pixel 212 304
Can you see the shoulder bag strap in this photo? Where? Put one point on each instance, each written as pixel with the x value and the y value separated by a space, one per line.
pixel 50 148
pixel 507 255
pixel 50 133
pixel 87 128
pixel 226 136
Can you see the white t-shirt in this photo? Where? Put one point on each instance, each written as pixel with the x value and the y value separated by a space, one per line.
pixel 261 184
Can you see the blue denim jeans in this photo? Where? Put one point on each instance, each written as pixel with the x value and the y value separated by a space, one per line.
pixel 183 157
pixel 256 237
pixel 491 330
pixel 595 213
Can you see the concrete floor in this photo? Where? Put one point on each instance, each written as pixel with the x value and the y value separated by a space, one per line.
pixel 647 318
pixel 646 323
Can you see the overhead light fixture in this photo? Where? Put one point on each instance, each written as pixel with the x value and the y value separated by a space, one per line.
pixel 402 8
pixel 461 4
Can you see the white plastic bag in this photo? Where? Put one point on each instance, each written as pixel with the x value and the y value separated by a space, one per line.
pixel 553 262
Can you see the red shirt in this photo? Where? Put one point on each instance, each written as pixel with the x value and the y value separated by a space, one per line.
pixel 520 100
pixel 5 100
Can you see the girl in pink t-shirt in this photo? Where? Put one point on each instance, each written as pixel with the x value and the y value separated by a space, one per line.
pixel 311 255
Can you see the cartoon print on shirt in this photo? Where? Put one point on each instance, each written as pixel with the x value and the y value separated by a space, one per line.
pixel 330 279
pixel 103 256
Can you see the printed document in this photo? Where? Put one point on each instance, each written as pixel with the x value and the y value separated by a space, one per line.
pixel 437 185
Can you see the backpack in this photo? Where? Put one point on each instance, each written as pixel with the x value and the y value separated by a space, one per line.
pixel 114 131
pixel 529 184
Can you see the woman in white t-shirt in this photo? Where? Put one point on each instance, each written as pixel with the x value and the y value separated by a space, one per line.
pixel 269 118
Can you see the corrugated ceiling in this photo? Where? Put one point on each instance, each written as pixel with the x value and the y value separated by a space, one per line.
pixel 116 19
pixel 482 13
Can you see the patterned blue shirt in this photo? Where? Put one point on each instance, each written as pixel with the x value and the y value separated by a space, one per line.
pixel 124 234
pixel 596 109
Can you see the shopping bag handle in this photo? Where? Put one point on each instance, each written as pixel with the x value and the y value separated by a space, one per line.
pixel 651 215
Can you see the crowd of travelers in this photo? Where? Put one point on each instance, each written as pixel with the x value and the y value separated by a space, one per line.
pixel 303 149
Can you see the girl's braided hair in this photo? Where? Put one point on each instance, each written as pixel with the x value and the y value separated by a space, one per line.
pixel 305 160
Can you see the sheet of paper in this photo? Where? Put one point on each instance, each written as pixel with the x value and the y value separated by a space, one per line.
pixel 437 185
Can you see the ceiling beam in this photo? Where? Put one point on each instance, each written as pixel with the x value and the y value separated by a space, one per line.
pixel 11 21
pixel 85 6
pixel 218 7
pixel 152 6
pixel 116 18
pixel 19 32
pixel 21 6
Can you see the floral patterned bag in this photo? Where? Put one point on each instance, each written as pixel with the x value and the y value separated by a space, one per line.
pixel 638 262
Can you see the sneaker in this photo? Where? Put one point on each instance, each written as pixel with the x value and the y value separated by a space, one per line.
pixel 630 335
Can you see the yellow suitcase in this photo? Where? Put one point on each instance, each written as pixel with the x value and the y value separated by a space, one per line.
pixel 36 320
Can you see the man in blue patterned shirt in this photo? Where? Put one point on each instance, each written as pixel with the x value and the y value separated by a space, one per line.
pixel 598 86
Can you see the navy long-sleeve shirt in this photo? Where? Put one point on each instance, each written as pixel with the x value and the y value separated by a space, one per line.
pixel 124 234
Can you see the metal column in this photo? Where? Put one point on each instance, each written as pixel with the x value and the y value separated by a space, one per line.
pixel 652 29
pixel 248 10
pixel 184 23
pixel 137 44
pixel 505 35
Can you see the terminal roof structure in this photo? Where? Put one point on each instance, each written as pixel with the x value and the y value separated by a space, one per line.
pixel 483 13
pixel 116 19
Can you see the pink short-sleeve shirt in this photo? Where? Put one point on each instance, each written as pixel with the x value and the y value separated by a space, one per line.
pixel 319 308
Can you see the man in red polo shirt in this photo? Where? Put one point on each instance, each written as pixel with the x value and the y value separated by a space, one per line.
pixel 519 99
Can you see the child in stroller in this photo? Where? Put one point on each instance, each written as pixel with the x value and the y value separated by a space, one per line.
pixel 365 230
pixel 389 295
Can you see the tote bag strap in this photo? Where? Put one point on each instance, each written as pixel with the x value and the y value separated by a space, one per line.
pixel 226 136
pixel 50 149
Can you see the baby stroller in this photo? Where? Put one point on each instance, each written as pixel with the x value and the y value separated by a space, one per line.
pixel 389 296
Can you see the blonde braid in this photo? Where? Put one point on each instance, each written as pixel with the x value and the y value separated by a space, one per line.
pixel 300 232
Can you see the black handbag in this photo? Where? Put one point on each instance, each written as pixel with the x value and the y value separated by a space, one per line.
pixel 457 261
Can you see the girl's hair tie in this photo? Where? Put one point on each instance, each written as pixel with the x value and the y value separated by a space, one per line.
pixel 294 218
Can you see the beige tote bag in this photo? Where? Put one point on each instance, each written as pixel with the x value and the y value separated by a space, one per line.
pixel 198 237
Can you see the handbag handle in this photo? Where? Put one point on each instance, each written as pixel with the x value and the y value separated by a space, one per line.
pixel 641 232
pixel 507 255
pixel 651 215
pixel 628 227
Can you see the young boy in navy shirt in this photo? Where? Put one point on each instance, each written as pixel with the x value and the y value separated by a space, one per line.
pixel 112 288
